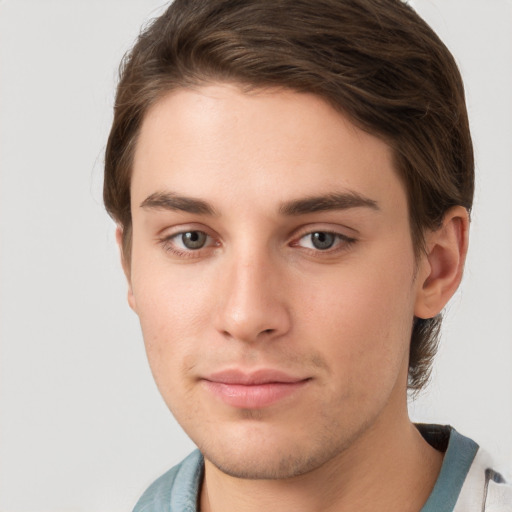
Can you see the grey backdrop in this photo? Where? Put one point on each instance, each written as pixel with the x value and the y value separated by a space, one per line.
pixel 82 427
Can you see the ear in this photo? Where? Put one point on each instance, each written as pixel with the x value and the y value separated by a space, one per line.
pixel 442 266
pixel 126 267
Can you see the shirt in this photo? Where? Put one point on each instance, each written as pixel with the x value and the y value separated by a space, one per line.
pixel 466 483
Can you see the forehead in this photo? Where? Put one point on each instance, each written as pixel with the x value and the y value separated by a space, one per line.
pixel 219 139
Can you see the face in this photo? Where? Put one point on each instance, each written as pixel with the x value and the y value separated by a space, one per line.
pixel 273 274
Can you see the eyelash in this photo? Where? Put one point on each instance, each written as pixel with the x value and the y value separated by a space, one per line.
pixel 341 243
pixel 169 245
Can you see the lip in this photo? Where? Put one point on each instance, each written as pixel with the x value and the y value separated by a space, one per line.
pixel 253 390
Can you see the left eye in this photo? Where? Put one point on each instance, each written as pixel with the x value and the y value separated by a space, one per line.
pixel 191 239
pixel 320 240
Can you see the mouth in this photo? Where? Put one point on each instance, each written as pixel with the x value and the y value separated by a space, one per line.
pixel 253 390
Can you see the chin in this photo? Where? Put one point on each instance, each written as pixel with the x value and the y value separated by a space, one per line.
pixel 260 457
pixel 265 466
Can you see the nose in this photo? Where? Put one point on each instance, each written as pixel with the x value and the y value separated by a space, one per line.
pixel 252 301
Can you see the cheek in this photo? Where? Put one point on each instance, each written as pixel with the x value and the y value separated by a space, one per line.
pixel 362 322
pixel 172 313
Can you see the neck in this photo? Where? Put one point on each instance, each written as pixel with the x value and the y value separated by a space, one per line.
pixel 391 466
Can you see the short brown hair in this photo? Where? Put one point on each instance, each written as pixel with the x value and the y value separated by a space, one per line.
pixel 376 61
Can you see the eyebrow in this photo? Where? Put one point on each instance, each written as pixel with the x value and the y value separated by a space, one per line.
pixel 173 202
pixel 336 201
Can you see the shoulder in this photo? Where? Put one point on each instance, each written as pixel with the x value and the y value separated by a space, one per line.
pixel 468 480
pixel 176 490
pixel 486 486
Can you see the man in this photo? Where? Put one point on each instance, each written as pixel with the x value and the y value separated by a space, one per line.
pixel 292 182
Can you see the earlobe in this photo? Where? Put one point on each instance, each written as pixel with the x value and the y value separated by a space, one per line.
pixel 442 266
pixel 131 299
pixel 126 268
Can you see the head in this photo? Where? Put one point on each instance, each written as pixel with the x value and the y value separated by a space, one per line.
pixel 373 62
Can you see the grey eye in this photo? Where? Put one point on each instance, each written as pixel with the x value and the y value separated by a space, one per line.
pixel 193 239
pixel 322 240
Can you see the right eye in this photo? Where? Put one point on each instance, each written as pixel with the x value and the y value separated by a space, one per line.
pixel 187 243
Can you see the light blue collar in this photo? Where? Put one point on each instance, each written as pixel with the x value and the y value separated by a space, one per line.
pixel 457 460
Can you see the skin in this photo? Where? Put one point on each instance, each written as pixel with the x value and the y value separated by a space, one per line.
pixel 259 294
